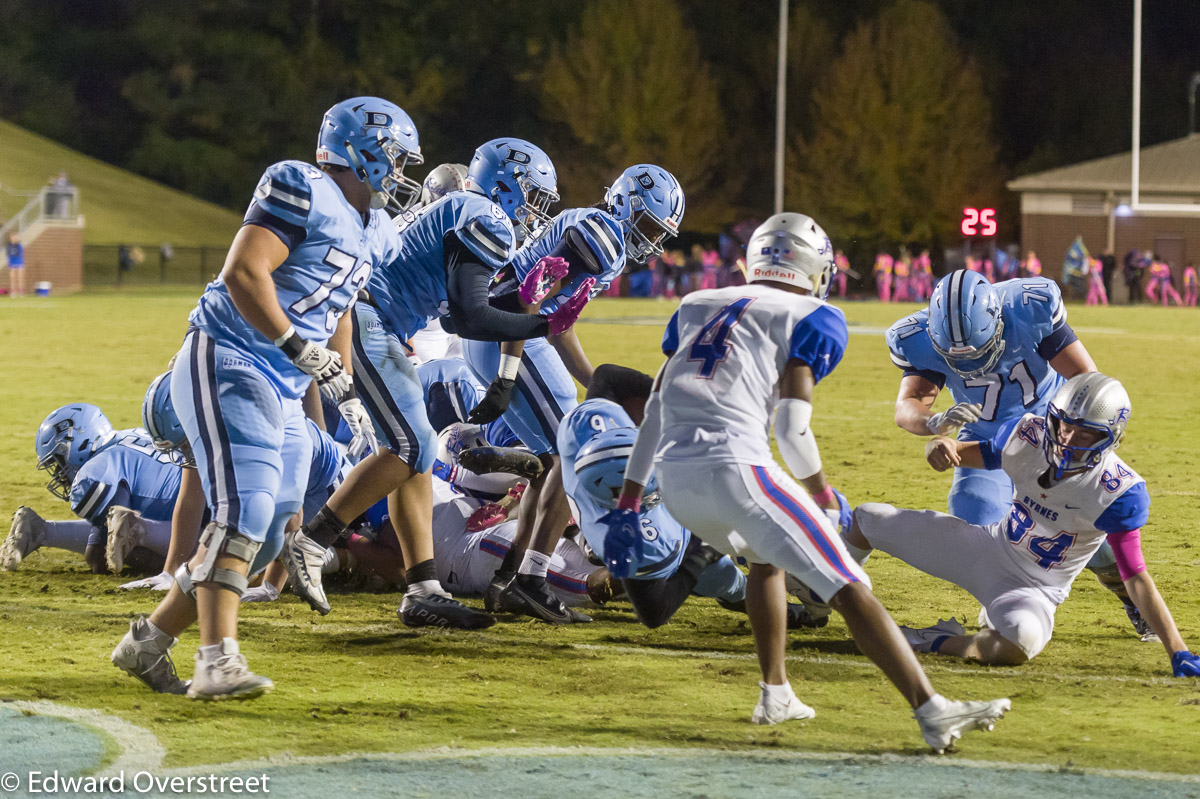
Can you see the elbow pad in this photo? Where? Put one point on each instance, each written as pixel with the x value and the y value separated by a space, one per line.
pixel 793 434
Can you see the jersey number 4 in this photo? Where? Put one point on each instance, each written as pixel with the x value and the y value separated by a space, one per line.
pixel 711 346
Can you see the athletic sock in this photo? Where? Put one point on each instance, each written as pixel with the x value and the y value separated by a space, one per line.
pixel 535 564
pixel 158 536
pixel 71 535
pixel 859 555
pixel 325 527
pixel 211 652
pixel 933 705
pixel 780 693
pixel 422 579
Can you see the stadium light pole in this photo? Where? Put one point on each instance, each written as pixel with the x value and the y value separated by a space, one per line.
pixel 780 104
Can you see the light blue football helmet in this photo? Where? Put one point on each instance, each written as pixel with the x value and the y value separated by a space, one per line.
pixel 966 326
pixel 600 467
pixel 162 423
pixel 66 440
pixel 517 176
pixel 648 202
pixel 377 140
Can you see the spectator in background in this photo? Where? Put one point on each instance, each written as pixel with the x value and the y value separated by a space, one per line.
pixel 710 259
pixel 1108 267
pixel 1132 268
pixel 843 267
pixel 1032 267
pixel 1096 294
pixel 15 254
pixel 1075 267
pixel 1191 286
pixel 1161 279
pixel 923 271
pixel 124 261
pixel 900 273
pixel 58 199
pixel 883 276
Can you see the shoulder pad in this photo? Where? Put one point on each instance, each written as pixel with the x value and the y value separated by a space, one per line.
pixel 489 235
pixel 285 191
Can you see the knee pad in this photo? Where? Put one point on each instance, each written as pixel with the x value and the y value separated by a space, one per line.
pixel 220 539
pixel 183 579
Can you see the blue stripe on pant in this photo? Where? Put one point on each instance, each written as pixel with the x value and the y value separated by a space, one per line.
pixel 252 446
pixel 389 386
pixel 545 391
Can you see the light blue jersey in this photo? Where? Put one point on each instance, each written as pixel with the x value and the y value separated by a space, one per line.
pixel 604 237
pixel 128 471
pixel 1035 331
pixel 331 255
pixel 451 391
pixel 328 470
pixel 411 288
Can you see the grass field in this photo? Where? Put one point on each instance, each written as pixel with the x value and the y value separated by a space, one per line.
pixel 120 207
pixel 357 681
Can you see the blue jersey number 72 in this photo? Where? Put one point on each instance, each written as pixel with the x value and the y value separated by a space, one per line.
pixel 712 342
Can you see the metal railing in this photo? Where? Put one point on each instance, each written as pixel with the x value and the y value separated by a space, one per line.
pixel 51 204
pixel 148 265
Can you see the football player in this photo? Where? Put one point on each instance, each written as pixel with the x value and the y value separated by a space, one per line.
pixel 449 252
pixel 105 475
pixel 735 356
pixel 260 335
pixel 1071 493
pixel 589 248
pixel 1002 351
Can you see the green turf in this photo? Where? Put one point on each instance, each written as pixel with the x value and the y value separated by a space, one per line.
pixel 358 681
pixel 119 206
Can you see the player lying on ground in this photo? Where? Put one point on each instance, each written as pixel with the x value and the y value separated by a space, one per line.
pixel 582 250
pixel 109 477
pixel 1002 351
pixel 1071 493
pixel 734 356
pixel 449 252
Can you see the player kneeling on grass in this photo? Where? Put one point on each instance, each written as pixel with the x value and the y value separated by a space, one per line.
pixel 114 480
pixel 735 356
pixel 1071 493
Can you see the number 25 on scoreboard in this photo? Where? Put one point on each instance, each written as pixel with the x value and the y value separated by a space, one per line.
pixel 979 222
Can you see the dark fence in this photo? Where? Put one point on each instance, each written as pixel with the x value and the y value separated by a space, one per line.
pixel 141 265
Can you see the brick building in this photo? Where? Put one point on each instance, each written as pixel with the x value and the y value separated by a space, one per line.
pixel 1091 199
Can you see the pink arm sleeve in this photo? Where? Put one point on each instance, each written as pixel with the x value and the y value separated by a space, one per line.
pixel 1127 547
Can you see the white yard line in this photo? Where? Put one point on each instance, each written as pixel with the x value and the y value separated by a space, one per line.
pixel 447 753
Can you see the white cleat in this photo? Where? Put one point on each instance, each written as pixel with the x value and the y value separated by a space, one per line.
pixel 226 676
pixel 126 530
pixel 770 710
pixel 942 727
pixel 930 639
pixel 27 533
pixel 983 622
pixel 159 582
pixel 304 558
pixel 145 653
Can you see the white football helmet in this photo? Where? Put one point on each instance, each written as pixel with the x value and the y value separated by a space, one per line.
pixel 791 248
pixel 1094 402
pixel 442 180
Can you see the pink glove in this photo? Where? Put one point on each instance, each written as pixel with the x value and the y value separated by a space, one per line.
pixel 545 273
pixel 567 313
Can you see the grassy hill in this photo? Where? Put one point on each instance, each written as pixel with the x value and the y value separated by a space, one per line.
pixel 119 206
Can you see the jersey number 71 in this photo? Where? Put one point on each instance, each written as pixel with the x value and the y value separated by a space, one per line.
pixel 711 346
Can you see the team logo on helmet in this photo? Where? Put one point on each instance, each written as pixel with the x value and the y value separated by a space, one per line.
pixel 518 157
pixel 378 119
pixel 1123 415
pixel 645 181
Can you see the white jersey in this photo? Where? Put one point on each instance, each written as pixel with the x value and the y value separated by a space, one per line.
pixel 730 347
pixel 1053 532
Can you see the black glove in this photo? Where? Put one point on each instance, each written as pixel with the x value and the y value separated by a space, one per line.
pixel 494 403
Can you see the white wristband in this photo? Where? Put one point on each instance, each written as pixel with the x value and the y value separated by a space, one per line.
pixel 291 331
pixel 509 364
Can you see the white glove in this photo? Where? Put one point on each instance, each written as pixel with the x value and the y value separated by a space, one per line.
pixel 262 593
pixel 159 582
pixel 359 422
pixel 319 363
pixel 952 419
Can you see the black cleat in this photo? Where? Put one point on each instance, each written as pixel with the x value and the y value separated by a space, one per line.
pixel 532 597
pixel 435 610
pixel 497 598
pixel 1140 624
pixel 510 460
pixel 799 616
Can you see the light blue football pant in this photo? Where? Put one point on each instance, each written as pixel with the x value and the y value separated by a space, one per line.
pixel 984 496
pixel 389 386
pixel 544 394
pixel 722 580
pixel 252 446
